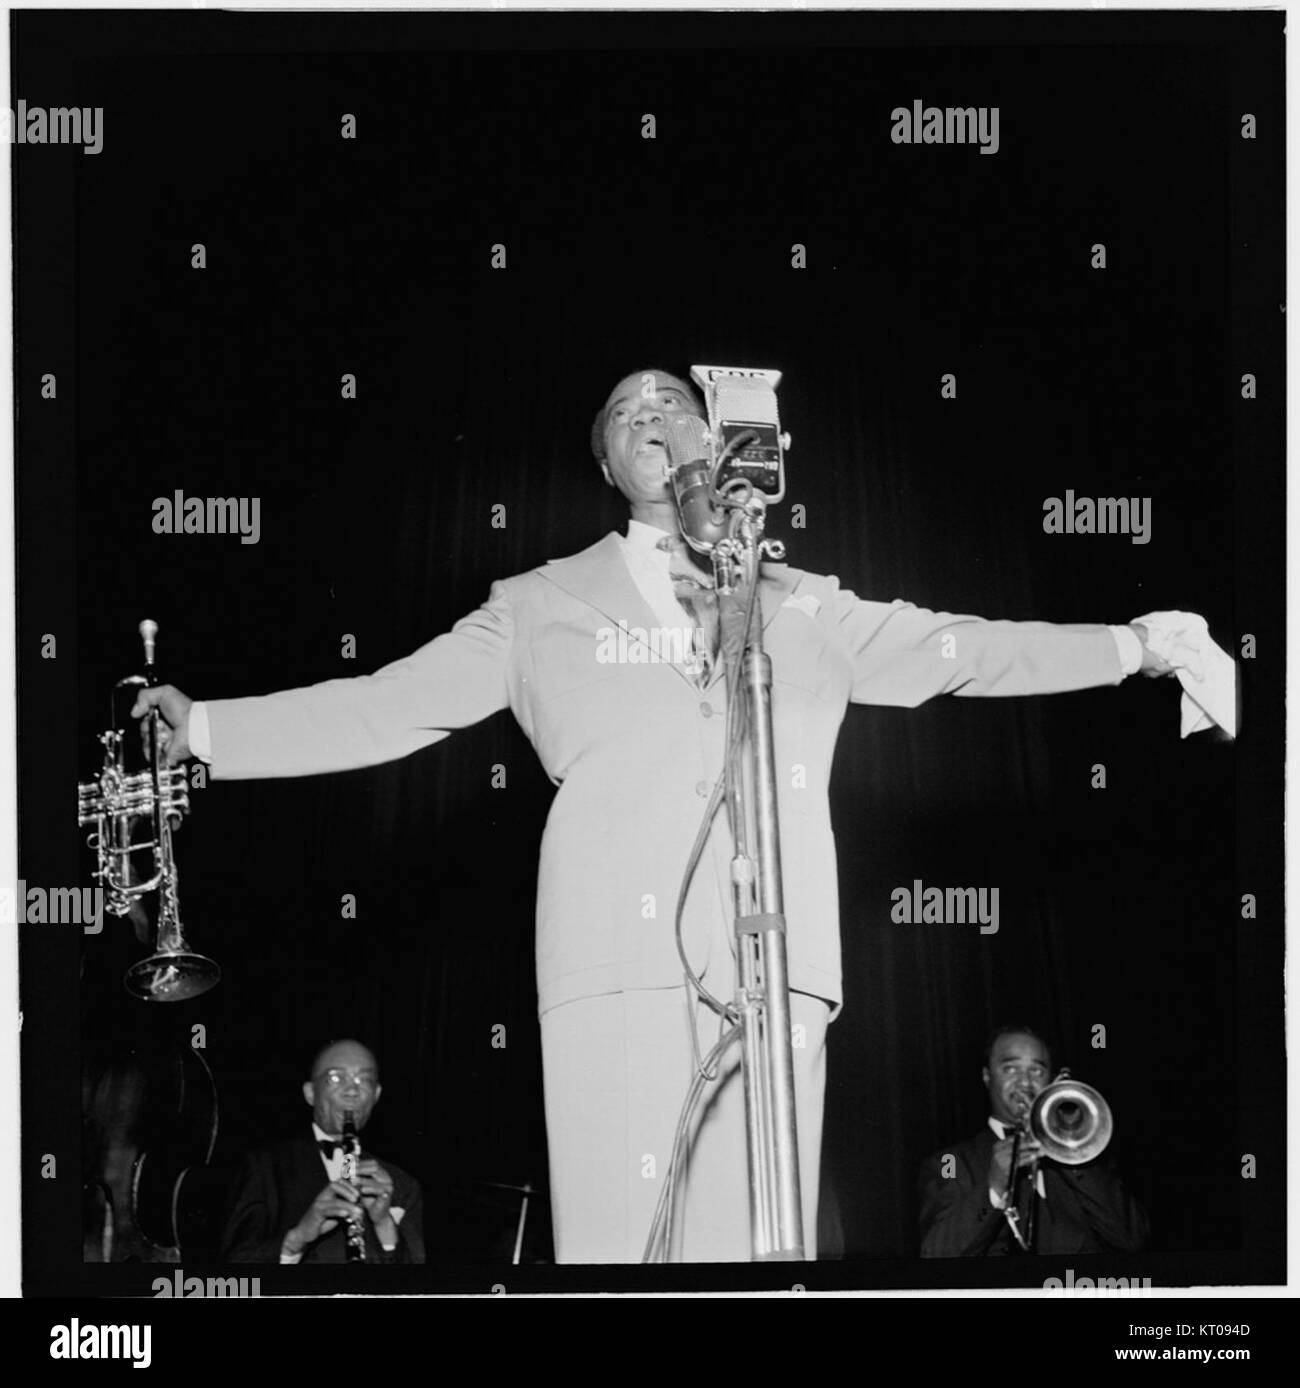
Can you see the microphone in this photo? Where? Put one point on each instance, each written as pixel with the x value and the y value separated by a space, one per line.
pixel 690 462
pixel 745 428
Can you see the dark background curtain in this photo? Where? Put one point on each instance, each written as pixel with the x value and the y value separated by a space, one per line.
pixel 1120 916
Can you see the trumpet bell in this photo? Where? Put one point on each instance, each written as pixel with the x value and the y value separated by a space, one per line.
pixel 172 977
pixel 1072 1122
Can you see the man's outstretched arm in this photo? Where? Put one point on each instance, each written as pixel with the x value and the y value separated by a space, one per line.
pixel 903 654
pixel 455 680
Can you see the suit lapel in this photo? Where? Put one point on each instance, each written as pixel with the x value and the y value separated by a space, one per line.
pixel 308 1169
pixel 996 1237
pixel 778 582
pixel 307 1177
pixel 599 576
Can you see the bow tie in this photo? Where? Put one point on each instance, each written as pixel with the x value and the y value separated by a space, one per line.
pixel 328 1146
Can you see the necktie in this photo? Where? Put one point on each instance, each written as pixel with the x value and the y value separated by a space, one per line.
pixel 694 590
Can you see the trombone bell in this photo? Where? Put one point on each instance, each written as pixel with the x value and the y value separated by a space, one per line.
pixel 1071 1121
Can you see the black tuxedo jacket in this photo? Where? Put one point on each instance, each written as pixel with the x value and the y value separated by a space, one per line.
pixel 1087 1208
pixel 272 1190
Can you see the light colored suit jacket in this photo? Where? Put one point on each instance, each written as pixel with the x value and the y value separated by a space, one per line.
pixel 636 747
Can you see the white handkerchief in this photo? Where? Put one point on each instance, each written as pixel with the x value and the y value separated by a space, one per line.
pixel 1206 672
pixel 807 604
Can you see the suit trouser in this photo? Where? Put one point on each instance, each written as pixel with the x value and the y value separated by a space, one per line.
pixel 617 1068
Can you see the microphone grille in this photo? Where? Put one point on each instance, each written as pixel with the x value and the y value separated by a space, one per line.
pixel 687 438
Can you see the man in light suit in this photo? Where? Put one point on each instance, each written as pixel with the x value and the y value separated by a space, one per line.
pixel 290 1202
pixel 635 747
pixel 1081 1209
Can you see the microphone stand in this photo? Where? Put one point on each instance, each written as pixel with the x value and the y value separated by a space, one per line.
pixel 763 989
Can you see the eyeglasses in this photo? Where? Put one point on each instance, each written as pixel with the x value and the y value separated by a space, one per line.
pixel 336 1079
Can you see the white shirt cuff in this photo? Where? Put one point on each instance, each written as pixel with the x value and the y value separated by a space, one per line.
pixel 201 737
pixel 1128 645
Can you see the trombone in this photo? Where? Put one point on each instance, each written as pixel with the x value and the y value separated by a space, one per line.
pixel 112 804
pixel 1073 1124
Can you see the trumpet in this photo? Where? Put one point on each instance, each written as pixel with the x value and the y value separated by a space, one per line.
pixel 351 1156
pixel 112 804
pixel 1072 1124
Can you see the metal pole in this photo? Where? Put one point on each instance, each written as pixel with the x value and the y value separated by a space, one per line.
pixel 766 1055
pixel 776 982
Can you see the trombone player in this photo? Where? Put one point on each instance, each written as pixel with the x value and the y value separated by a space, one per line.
pixel 1002 1192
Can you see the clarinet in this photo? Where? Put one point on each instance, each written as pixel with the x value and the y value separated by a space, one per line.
pixel 351 1156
